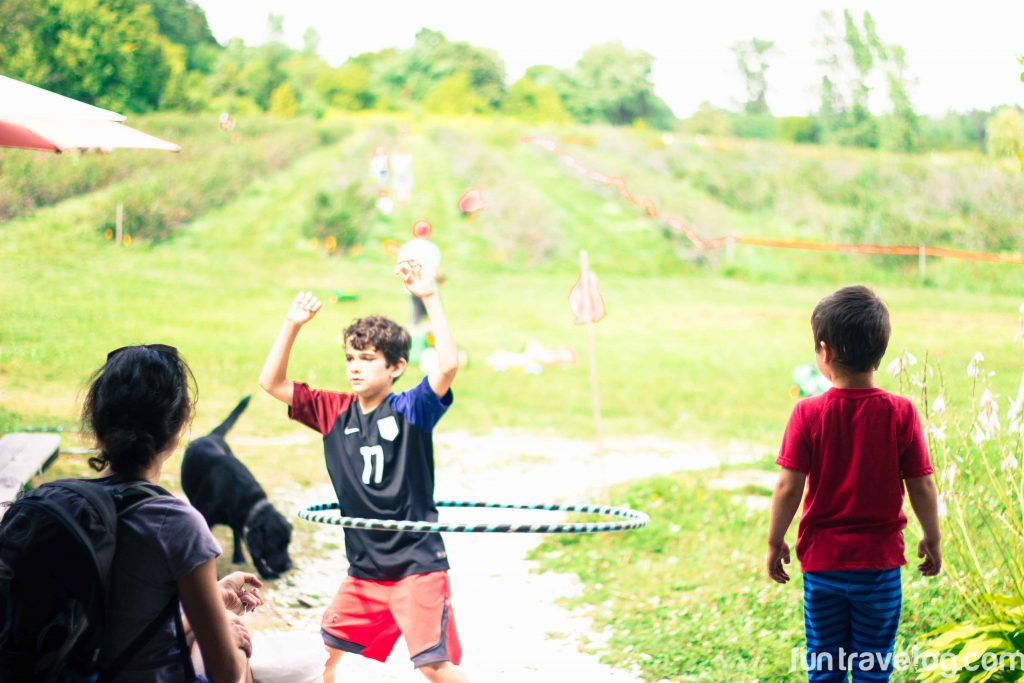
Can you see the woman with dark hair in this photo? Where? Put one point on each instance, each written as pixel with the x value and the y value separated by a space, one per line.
pixel 137 407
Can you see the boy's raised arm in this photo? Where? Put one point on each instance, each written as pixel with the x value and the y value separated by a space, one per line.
pixel 421 284
pixel 274 376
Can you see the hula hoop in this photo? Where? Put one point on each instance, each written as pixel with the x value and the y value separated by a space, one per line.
pixel 633 519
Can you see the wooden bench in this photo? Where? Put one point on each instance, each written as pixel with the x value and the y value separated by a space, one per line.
pixel 22 456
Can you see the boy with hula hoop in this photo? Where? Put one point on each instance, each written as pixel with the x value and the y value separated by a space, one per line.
pixel 380 456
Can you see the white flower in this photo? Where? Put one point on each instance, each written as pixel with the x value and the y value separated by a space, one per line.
pixel 972 366
pixel 942 505
pixel 939 406
pixel 977 357
pixel 1022 309
pixel 988 418
pixel 1017 426
pixel 901 363
pixel 1010 463
pixel 987 400
pixel 937 432
pixel 1014 412
pixel 948 475
pixel 979 436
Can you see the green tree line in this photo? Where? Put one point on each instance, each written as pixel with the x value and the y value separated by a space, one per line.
pixel 864 99
pixel 145 55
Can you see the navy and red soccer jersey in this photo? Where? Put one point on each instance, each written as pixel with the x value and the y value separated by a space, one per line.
pixel 856 447
pixel 382 466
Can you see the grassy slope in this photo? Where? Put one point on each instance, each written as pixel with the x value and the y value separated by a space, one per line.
pixel 684 352
pixel 678 338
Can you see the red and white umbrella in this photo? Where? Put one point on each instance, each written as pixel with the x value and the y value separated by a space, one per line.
pixel 34 118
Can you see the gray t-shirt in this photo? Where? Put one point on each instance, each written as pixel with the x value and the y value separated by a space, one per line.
pixel 158 543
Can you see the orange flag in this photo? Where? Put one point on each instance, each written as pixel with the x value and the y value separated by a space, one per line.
pixel 585 298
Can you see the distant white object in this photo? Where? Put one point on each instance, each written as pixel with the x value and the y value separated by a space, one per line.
pixel 428 360
pixel 426 252
pixel 379 167
pixel 287 657
pixel 401 168
pixel 385 204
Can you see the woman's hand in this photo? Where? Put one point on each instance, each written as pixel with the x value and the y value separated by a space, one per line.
pixel 241 592
pixel 241 635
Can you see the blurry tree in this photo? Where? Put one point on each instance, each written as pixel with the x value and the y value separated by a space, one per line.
pixel 535 103
pixel 347 87
pixel 853 61
pixel 860 129
pixel 708 121
pixel 802 129
pixel 832 104
pixel 108 52
pixel 311 42
pixel 1006 133
pixel 454 95
pixel 752 60
pixel 302 69
pixel 283 102
pixel 955 130
pixel 433 58
pixel 184 22
pixel 275 28
pixel 613 84
pixel 902 131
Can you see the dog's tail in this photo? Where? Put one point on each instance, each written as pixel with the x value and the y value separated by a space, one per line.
pixel 229 422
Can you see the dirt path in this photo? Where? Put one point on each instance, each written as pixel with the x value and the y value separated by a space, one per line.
pixel 510 625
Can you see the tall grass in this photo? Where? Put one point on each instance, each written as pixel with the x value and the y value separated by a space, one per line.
pixel 979 452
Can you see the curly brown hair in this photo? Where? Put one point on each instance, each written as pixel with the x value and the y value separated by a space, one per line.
pixel 381 333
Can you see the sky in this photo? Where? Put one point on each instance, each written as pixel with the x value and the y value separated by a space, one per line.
pixel 961 55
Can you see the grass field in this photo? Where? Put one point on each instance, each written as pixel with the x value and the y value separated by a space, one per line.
pixel 689 350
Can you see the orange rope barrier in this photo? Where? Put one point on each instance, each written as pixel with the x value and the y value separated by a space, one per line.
pixel 676 224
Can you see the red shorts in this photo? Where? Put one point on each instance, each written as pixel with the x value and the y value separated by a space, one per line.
pixel 366 617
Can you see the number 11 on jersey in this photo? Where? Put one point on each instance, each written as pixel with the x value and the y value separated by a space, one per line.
pixel 373 463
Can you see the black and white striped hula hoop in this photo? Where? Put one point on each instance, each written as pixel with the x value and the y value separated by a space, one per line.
pixel 631 519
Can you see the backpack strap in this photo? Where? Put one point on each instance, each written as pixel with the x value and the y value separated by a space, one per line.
pixel 115 667
pixel 126 499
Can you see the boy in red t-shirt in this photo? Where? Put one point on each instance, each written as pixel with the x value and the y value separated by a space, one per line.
pixel 855 446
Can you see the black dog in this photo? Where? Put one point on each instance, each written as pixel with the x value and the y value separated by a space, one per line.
pixel 225 492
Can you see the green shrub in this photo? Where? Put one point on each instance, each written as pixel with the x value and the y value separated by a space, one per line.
pixel 341 216
pixel 155 209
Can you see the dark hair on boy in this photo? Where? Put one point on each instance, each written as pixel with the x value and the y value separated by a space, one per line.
pixel 381 333
pixel 854 323
pixel 137 404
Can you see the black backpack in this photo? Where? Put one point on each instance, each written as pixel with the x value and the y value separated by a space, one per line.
pixel 57 546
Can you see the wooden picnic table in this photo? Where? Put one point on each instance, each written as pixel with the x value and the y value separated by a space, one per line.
pixel 22 456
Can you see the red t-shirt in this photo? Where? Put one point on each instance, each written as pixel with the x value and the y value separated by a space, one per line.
pixel 856 447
